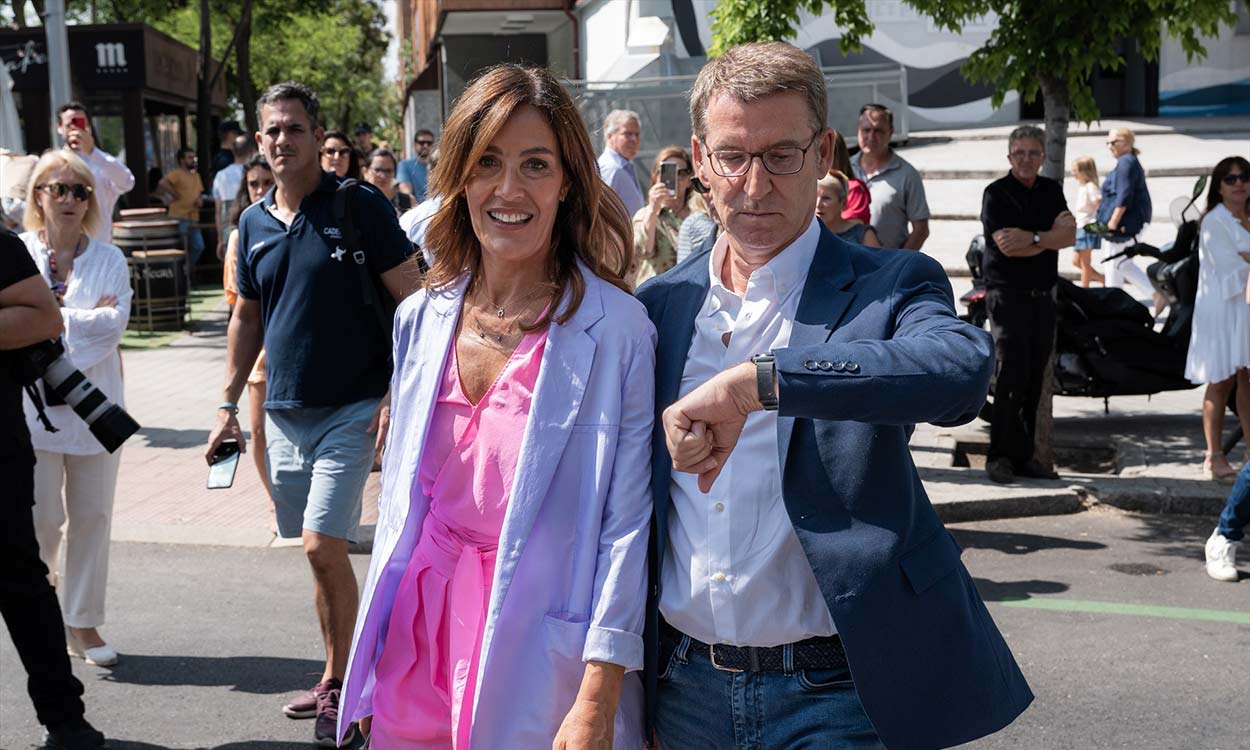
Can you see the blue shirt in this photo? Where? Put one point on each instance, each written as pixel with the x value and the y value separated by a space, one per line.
pixel 619 173
pixel 324 346
pixel 416 174
pixel 1125 185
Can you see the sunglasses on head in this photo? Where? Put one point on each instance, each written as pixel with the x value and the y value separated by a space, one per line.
pixel 60 190
pixel 1233 179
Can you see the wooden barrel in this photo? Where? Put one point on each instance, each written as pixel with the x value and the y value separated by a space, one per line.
pixel 159 281
pixel 161 234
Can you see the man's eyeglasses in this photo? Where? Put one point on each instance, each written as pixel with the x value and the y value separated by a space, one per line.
pixel 1026 155
pixel 778 160
pixel 60 190
pixel 383 170
pixel 1233 179
pixel 335 151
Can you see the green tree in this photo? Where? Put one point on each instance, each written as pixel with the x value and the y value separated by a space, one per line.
pixel 741 21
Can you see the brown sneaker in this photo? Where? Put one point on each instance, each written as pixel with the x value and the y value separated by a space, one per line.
pixel 304 705
pixel 325 733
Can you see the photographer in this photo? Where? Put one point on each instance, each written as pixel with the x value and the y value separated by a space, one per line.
pixel 29 315
pixel 75 476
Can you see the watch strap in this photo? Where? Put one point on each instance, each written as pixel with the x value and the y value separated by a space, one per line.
pixel 766 380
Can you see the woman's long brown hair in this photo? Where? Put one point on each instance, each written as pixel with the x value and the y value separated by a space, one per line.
pixel 590 223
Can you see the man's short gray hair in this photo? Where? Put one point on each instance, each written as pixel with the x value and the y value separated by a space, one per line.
pixel 1026 131
pixel 291 90
pixel 756 70
pixel 617 119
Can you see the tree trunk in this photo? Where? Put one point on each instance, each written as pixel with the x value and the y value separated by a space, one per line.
pixel 40 9
pixel 19 13
pixel 243 68
pixel 1057 110
pixel 203 99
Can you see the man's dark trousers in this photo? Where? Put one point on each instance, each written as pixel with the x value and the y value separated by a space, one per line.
pixel 28 602
pixel 1023 324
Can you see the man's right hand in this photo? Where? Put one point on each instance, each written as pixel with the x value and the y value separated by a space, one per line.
pixel 79 140
pixel 227 427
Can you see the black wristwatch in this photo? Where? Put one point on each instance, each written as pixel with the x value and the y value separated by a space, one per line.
pixel 766 380
pixel 1037 238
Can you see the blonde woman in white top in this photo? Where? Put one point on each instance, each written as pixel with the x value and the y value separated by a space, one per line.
pixel 1088 196
pixel 75 477
pixel 1219 345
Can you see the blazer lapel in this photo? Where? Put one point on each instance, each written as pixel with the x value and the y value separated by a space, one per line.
pixel 567 360
pixel 824 301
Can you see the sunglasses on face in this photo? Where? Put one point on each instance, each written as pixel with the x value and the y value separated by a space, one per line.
pixel 425 143
pixel 335 152
pixel 1233 179
pixel 60 190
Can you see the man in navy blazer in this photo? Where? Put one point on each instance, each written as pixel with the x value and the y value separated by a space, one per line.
pixel 805 593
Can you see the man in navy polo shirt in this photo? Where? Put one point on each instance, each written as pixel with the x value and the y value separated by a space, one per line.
pixel 328 361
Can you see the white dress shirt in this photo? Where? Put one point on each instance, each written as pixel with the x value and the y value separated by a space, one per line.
pixel 734 571
pixel 112 180
pixel 92 336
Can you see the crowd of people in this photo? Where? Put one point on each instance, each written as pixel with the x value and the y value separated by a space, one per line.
pixel 609 417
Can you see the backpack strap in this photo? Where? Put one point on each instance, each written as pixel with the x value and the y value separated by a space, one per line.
pixel 344 197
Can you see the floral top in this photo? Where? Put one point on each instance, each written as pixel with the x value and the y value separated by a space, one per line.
pixel 667 227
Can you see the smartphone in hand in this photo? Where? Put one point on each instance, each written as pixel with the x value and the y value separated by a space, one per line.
pixel 225 461
pixel 668 176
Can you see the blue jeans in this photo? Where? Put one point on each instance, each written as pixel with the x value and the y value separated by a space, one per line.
pixel 703 708
pixel 193 240
pixel 1236 515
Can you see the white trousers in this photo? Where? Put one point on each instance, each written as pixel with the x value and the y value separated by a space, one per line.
pixel 1122 270
pixel 76 493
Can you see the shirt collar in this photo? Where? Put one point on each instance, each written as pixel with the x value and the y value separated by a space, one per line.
pixel 782 275
pixel 611 154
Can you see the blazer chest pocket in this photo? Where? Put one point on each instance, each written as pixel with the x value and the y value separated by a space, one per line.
pixel 931 561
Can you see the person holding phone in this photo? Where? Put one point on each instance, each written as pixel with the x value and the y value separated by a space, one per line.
pixel 113 178
pixel 75 477
pixel 657 224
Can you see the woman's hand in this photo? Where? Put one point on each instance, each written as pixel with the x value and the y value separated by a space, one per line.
pixel 588 724
pixel 108 300
pixel 658 198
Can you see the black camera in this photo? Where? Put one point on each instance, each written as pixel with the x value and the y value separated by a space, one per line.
pixel 108 422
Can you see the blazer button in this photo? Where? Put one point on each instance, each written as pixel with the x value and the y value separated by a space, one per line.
pixel 811 364
pixel 852 367
pixel 826 365
pixel 839 366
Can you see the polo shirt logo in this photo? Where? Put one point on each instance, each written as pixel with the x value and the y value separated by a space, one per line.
pixel 338 253
pixel 333 232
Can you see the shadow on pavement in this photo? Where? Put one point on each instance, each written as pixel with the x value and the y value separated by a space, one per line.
pixel 995 591
pixel 267 675
pixel 163 437
pixel 1018 544
pixel 1176 536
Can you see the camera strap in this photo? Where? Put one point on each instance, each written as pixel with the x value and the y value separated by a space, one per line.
pixel 33 391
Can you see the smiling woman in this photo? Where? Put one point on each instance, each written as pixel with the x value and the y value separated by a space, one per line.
pixel 524 398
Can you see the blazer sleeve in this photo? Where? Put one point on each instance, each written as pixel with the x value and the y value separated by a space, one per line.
pixel 933 368
pixel 92 335
pixel 620 594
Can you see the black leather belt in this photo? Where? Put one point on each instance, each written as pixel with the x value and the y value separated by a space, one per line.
pixel 812 653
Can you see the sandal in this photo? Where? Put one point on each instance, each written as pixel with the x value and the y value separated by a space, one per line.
pixel 1215 467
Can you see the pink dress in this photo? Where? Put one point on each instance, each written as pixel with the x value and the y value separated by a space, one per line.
pixel 427 672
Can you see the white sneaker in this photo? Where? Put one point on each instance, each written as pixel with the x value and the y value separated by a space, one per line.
pixel 1221 558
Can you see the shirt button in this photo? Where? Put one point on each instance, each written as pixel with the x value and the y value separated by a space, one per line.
pixel 720 507
pixel 718 577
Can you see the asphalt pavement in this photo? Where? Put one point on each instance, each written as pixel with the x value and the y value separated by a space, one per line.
pixel 1124 639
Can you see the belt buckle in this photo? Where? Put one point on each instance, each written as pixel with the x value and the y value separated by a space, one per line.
pixel 711 649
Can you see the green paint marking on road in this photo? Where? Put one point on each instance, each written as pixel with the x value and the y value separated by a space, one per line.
pixel 1144 610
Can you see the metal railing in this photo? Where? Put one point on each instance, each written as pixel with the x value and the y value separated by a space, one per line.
pixel 664 107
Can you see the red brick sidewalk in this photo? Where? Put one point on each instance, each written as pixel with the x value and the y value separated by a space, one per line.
pixel 161 493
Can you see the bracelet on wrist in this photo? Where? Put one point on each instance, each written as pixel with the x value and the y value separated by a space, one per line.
pixel 229 406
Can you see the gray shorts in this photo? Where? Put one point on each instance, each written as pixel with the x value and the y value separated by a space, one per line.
pixel 318 461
